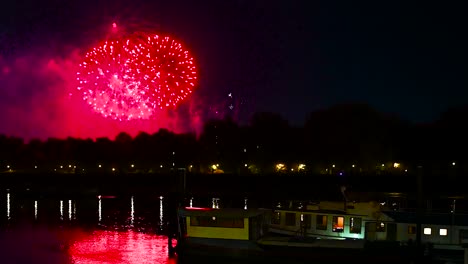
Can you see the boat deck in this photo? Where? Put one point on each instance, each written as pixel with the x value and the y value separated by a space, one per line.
pixel 310 242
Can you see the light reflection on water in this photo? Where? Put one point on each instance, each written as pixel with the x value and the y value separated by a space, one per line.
pixel 61 209
pixel 8 204
pixel 126 230
pixel 119 247
pixel 161 213
pixel 99 208
pixel 132 212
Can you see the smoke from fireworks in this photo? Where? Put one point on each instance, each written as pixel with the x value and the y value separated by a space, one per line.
pixel 42 95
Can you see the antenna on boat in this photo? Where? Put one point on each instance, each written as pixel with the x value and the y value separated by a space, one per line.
pixel 343 191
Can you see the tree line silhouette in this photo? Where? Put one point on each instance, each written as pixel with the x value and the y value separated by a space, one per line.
pixel 347 138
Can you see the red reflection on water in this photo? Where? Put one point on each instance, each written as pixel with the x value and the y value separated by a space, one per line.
pixel 199 208
pixel 119 247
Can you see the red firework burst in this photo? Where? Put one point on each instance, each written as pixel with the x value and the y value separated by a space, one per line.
pixel 130 78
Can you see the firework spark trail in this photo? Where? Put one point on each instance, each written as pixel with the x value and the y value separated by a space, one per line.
pixel 130 78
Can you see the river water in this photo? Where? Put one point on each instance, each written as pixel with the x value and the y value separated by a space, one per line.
pixel 101 229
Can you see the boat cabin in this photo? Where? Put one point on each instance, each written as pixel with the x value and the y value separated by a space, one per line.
pixel 226 223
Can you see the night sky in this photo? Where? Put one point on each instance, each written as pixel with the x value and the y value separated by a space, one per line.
pixel 290 57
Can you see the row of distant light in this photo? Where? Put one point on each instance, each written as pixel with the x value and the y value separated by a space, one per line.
pixel 279 166
pixel 99 166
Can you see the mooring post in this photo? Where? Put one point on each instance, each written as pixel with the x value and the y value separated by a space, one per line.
pixel 419 212
pixel 170 247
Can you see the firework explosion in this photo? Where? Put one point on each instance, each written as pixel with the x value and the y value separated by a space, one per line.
pixel 133 77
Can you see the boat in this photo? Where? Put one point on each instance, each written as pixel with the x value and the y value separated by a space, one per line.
pixel 224 231
pixel 329 220
pixel 370 221
pixel 242 234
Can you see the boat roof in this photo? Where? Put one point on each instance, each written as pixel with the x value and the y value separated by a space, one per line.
pixel 319 211
pixel 429 218
pixel 224 212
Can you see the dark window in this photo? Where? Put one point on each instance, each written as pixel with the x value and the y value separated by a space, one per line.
pixel 211 221
pixel 290 219
pixel 463 235
pixel 322 222
pixel 338 223
pixel 276 218
pixel 355 224
pixel 411 230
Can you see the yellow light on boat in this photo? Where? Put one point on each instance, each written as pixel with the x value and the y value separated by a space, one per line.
pixel 396 165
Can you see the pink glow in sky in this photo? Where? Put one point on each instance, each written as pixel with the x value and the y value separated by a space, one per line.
pixel 39 100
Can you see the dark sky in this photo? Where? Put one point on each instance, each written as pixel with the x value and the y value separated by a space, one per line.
pixel 290 57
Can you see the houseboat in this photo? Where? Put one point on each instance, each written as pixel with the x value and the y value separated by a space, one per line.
pixel 240 234
pixel 369 221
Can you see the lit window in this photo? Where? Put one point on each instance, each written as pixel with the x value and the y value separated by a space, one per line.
pixel 427 230
pixel 411 230
pixel 338 224
pixel 443 231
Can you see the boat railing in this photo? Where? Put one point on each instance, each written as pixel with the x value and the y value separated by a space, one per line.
pixel 432 211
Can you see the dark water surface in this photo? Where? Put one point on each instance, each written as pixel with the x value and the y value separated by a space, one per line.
pixel 105 229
